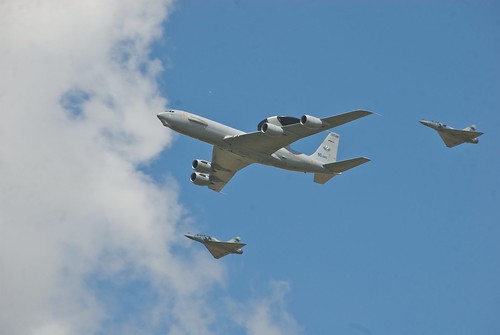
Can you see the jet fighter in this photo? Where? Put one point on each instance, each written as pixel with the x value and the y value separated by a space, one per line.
pixel 234 149
pixel 218 248
pixel 453 137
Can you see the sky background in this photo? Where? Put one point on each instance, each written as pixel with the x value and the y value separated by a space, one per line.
pixel 96 194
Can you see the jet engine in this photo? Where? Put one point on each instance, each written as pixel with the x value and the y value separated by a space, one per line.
pixel 312 122
pixel 271 129
pixel 200 179
pixel 201 166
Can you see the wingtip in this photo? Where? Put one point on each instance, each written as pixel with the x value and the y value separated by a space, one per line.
pixel 368 112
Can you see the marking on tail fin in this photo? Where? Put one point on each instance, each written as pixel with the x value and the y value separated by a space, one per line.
pixel 327 151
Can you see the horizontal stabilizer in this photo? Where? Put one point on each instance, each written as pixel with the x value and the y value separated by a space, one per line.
pixel 321 178
pixel 341 166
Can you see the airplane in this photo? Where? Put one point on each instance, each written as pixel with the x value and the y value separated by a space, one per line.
pixel 234 149
pixel 453 137
pixel 218 248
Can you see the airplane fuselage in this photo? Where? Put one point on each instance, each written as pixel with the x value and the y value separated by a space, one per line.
pixel 218 248
pixel 214 133
pixel 434 125
pixel 465 135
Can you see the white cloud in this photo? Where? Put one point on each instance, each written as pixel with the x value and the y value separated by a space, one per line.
pixel 267 315
pixel 87 239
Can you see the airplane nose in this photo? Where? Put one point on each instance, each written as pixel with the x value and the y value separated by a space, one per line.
pixel 163 116
pixel 425 123
pixel 189 236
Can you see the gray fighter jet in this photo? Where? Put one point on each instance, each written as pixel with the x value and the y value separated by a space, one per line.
pixel 234 149
pixel 453 137
pixel 218 248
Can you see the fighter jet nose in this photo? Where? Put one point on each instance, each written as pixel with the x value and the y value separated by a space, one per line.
pixel 425 123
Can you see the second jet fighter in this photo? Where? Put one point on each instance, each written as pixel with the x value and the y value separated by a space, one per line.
pixel 218 248
pixel 453 137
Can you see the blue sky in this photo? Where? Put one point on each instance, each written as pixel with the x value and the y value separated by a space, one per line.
pixel 406 244
pixel 96 194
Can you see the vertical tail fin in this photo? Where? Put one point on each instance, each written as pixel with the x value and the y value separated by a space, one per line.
pixel 470 128
pixel 327 151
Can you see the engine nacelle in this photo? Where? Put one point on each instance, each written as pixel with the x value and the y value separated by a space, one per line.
pixel 474 140
pixel 271 129
pixel 200 179
pixel 239 251
pixel 312 122
pixel 201 166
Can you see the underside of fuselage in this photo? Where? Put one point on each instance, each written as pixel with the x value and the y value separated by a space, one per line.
pixel 283 159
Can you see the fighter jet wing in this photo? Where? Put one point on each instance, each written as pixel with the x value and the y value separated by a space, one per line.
pixel 221 249
pixel 260 142
pixel 216 252
pixel 225 164
pixel 454 137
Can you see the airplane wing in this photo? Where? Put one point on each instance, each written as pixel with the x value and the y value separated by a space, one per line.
pixel 454 137
pixel 268 144
pixel 225 164
pixel 216 252
pixel 221 249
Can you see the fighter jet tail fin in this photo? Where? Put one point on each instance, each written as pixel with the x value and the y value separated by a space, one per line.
pixel 470 128
pixel 327 151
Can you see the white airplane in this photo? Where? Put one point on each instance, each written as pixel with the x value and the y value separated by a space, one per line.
pixel 234 149
pixel 218 248
pixel 453 137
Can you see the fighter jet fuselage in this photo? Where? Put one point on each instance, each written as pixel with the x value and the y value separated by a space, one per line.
pixel 218 248
pixel 453 137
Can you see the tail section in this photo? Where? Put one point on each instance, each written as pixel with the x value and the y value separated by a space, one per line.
pixel 327 151
pixel 339 167
pixel 322 178
pixel 327 155
pixel 470 128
